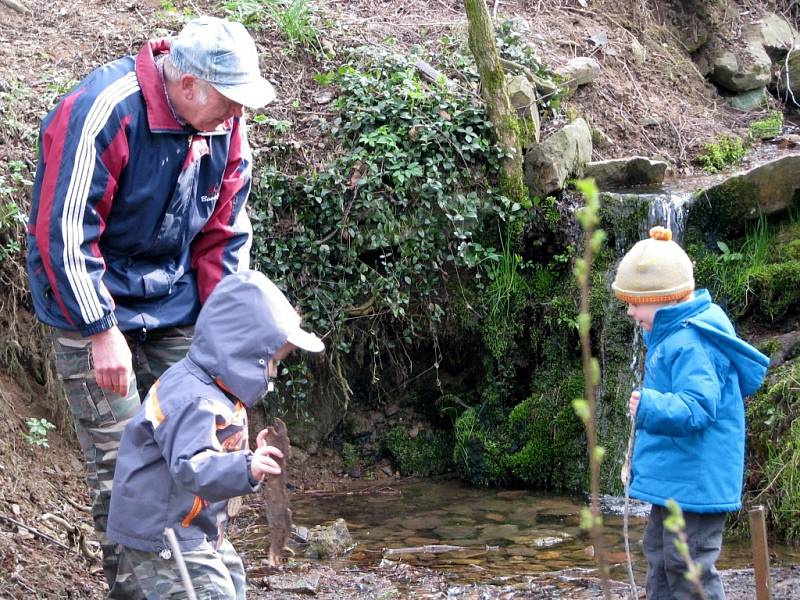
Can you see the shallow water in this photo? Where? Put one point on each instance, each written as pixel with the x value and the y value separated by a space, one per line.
pixel 501 532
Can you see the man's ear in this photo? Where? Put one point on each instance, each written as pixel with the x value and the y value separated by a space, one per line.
pixel 188 86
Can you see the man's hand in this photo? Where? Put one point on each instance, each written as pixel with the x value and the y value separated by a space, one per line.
pixel 263 462
pixel 633 403
pixel 112 360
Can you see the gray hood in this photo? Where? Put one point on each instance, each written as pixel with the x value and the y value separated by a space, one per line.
pixel 244 322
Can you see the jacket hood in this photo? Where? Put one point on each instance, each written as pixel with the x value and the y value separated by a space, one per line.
pixel 711 322
pixel 244 322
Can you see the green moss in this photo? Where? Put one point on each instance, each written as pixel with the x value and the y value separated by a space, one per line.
pixel 776 289
pixel 476 455
pixel 770 346
pixel 773 462
pixel 722 212
pixel 723 152
pixel 427 454
pixel 767 128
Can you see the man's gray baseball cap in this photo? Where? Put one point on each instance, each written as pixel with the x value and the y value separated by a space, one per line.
pixel 223 54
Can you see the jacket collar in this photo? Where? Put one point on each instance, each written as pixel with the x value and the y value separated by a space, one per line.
pixel 669 318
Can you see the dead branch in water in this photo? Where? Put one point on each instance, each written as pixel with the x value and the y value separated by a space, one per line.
pixel 429 549
pixel 369 491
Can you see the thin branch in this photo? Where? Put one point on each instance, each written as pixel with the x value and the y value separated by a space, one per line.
pixel 35 532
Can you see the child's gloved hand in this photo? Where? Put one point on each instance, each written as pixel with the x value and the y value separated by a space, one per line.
pixel 633 403
pixel 264 456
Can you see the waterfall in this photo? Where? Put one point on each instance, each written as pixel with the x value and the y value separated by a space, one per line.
pixel 667 209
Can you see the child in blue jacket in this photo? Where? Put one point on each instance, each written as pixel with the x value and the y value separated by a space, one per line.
pixel 185 453
pixel 689 412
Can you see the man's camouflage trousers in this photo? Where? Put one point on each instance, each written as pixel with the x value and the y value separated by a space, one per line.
pixel 100 417
pixel 214 574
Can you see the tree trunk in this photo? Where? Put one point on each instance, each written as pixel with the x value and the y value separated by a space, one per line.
pixel 493 89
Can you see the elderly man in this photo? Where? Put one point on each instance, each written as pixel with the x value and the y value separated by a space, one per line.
pixel 138 212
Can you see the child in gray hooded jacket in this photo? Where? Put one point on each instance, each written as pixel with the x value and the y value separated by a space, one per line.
pixel 186 452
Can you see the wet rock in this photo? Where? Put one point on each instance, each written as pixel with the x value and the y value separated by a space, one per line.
pixel 615 505
pixel 747 101
pixel 790 71
pixel 329 541
pixel 449 532
pixel 423 522
pixel 498 532
pixel 724 210
pixel 626 172
pixel 294 584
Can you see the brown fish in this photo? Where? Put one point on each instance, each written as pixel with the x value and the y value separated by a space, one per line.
pixel 275 496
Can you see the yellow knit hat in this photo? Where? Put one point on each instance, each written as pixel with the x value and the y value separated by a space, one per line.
pixel 654 270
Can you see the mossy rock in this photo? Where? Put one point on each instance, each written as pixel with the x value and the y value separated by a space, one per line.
pixel 773 462
pixel 776 289
pixel 429 453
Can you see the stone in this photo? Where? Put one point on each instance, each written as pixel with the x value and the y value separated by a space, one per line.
pixel 775 34
pixel 747 101
pixel 639 52
pixel 600 138
pixel 329 541
pixel 790 72
pixel 520 92
pixel 549 163
pixel 747 68
pixel 722 211
pixel 294 584
pixel 579 71
pixel 626 172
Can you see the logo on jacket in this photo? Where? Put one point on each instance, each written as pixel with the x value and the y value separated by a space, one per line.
pixel 211 195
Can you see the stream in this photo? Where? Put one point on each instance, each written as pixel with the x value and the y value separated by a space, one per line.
pixel 502 533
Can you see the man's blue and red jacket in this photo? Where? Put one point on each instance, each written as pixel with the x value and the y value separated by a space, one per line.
pixel 135 217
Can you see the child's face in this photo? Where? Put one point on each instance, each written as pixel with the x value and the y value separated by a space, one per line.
pixel 283 352
pixel 643 314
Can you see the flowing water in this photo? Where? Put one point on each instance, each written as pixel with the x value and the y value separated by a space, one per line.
pixel 500 533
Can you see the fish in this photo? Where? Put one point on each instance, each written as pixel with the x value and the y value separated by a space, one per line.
pixel 275 496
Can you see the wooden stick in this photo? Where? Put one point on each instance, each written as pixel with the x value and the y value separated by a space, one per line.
pixel 758 533
pixel 176 551
pixel 35 532
pixel 14 5
pixel 429 549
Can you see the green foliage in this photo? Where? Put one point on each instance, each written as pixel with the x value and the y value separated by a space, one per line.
pixel 767 128
pixel 724 152
pixel 429 453
pixel 757 275
pixel 349 455
pixel 477 456
pixel 773 417
pixel 37 432
pixel 364 243
pixel 295 19
pixel 12 218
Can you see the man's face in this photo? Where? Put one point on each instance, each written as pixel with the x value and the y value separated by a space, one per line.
pixel 206 109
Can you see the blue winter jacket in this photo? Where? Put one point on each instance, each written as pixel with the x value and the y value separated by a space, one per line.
pixel 690 427
pixel 185 452
pixel 135 217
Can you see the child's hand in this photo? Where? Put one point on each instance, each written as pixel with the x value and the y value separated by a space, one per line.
pixel 263 462
pixel 633 403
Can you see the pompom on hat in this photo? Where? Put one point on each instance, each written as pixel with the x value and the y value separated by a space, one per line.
pixel 655 270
